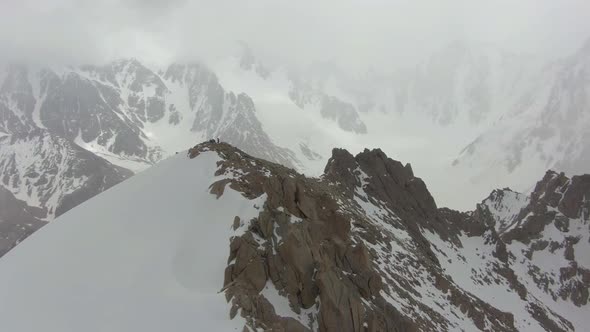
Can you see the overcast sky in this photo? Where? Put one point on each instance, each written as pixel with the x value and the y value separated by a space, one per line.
pixel 360 33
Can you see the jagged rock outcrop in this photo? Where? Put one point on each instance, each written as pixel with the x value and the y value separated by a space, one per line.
pixel 550 237
pixel 365 248
pixel 301 244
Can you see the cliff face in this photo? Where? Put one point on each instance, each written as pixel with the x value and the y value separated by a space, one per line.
pixel 365 248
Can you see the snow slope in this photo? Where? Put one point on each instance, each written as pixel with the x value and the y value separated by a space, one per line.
pixel 143 256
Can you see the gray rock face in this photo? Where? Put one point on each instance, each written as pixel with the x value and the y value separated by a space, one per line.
pixel 243 129
pixel 77 107
pixel 225 115
pixel 147 107
pixel 206 96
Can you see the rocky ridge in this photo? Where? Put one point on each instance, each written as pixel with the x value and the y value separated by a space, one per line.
pixel 550 237
pixel 365 248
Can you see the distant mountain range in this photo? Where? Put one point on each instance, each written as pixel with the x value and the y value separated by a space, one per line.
pixel 67 134
pixel 500 119
pixel 491 119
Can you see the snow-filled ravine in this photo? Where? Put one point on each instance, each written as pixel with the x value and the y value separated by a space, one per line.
pixel 146 255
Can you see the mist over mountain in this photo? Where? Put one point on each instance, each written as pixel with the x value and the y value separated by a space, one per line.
pixel 222 165
pixel 486 117
pixel 439 114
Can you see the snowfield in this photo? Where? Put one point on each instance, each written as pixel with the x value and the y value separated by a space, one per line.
pixel 147 255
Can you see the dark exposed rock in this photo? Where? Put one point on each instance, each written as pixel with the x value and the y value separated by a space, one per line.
pixel 314 261
pixel 554 222
pixel 332 247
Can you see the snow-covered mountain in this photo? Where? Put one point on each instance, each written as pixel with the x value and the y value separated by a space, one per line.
pixel 69 133
pixel 548 127
pixel 462 83
pixel 311 88
pixel 43 176
pixel 549 240
pixel 504 206
pixel 511 117
pixel 487 117
pixel 130 114
pixel 465 85
pixel 219 240
pixel 53 174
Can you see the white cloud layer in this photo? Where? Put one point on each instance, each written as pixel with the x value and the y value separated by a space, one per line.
pixel 371 33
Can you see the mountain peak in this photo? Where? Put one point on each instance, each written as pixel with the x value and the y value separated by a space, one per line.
pixel 385 179
pixel 503 206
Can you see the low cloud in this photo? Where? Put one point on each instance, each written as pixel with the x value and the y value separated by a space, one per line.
pixel 372 33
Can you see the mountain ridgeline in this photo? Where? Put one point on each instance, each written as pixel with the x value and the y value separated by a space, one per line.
pixel 68 134
pixel 240 235
pixel 365 248
pixel 517 118
pixel 255 245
